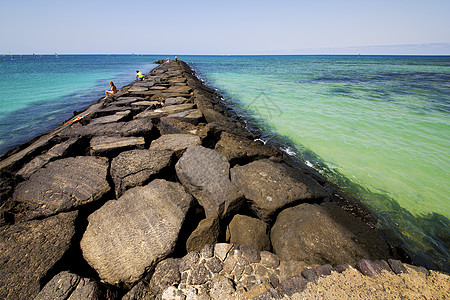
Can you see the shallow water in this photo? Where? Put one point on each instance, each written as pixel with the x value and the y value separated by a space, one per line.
pixel 377 125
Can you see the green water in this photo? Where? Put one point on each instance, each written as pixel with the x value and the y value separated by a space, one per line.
pixel 378 126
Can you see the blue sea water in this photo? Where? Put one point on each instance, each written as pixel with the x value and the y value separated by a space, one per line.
pixel 378 126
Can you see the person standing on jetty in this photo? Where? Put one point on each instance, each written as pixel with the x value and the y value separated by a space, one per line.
pixel 112 91
pixel 139 75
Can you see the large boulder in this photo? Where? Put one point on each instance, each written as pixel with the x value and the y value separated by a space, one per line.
pixel 63 185
pixel 129 236
pixel 271 186
pixel 238 149
pixel 29 250
pixel 110 145
pixel 171 126
pixel 139 127
pixel 164 111
pixel 205 174
pixel 136 167
pixel 175 142
pixel 324 235
pixel 245 230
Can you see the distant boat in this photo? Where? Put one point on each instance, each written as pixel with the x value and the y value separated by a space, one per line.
pixel 56 55
pixel 12 57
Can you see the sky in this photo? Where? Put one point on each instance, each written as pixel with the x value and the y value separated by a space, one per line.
pixel 225 27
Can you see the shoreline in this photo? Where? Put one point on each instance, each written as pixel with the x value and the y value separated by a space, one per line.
pixel 171 114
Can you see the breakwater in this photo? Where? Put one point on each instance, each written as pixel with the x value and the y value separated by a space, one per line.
pixel 159 190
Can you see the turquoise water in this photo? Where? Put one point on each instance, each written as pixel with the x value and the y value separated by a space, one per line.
pixel 39 92
pixel 376 125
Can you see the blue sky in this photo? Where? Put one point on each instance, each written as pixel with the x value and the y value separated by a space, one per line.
pixel 226 27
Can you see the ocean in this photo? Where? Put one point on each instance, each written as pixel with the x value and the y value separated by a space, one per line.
pixel 378 126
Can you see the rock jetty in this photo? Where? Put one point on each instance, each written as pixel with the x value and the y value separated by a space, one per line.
pixel 160 192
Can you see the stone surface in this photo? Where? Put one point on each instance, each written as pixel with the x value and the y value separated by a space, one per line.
pixel 141 291
pixel 271 186
pixel 292 285
pixel 166 274
pixel 104 145
pixel 309 233
pixel 171 126
pixel 177 143
pixel 164 111
pixel 175 101
pixel 246 230
pixel 137 167
pixel 139 127
pixel 63 185
pixel 111 119
pixel 207 232
pixel 57 151
pixel 269 260
pixel 66 285
pixel 239 149
pixel 205 174
pixel 193 116
pixel 29 250
pixel 128 236
pixel 397 266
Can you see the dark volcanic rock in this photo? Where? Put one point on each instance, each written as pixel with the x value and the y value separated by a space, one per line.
pixel 164 111
pixel 29 250
pixel 103 145
pixel 271 186
pixel 66 285
pixel 166 273
pixel 112 118
pixel 205 174
pixel 238 149
pixel 137 167
pixel 139 127
pixel 128 236
pixel 193 116
pixel 309 233
pixel 207 232
pixel 171 126
pixel 177 143
pixel 245 230
pixel 57 151
pixel 63 185
pixel 141 291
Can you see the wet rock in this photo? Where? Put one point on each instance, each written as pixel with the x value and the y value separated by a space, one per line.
pixel 29 250
pixel 128 236
pixel 57 151
pixel 193 116
pixel 177 143
pixel 207 232
pixel 106 145
pixel 136 167
pixel 63 185
pixel 239 149
pixel 308 233
pixel 271 186
pixel 166 274
pixel 205 174
pixel 245 230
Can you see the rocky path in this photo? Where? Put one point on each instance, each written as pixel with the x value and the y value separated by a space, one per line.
pixel 159 191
